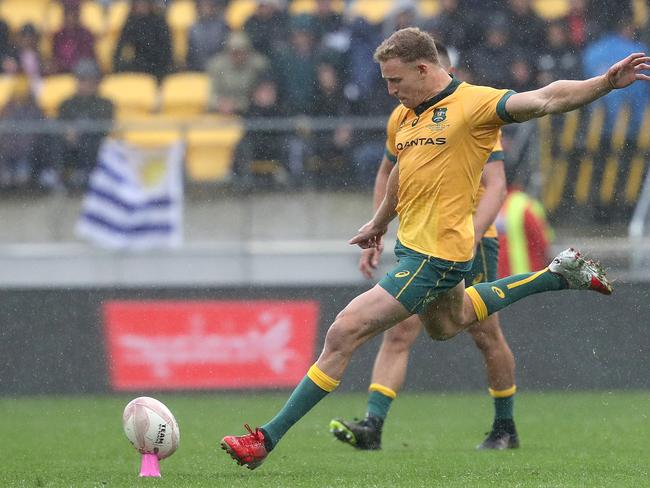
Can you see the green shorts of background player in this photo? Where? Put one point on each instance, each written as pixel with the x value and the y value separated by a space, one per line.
pixel 389 371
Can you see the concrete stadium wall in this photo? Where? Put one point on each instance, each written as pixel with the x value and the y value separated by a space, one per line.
pixel 51 340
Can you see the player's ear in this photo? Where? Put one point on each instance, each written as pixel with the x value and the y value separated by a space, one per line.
pixel 422 68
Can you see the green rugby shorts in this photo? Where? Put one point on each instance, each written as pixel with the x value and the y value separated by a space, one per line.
pixel 486 260
pixel 417 279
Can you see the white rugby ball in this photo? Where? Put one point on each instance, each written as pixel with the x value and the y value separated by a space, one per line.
pixel 151 427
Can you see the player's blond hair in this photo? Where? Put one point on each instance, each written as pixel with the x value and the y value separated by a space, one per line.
pixel 408 45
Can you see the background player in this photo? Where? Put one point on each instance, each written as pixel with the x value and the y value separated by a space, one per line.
pixel 391 362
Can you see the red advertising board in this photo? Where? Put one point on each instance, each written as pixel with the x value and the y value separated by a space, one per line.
pixel 169 345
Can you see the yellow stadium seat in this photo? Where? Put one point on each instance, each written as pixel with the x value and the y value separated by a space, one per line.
pixel 551 9
pixel 151 138
pixel 134 94
pixel 54 91
pixel 6 89
pixel 374 11
pixel 117 14
pixel 238 12
pixel 94 17
pixel 181 14
pixel 299 7
pixel 17 13
pixel 53 19
pixel 210 152
pixel 104 49
pixel 185 94
pixel 429 8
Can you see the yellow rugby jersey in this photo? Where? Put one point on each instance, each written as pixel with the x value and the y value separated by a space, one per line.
pixel 441 147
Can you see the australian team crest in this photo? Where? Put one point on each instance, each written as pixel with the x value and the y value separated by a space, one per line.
pixel 439 115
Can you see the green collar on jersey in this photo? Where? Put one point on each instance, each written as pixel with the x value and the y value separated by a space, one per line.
pixel 449 89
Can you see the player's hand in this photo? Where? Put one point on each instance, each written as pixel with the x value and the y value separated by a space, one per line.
pixel 628 70
pixel 369 236
pixel 370 259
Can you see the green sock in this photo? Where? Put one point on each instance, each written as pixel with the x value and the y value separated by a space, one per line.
pixel 302 400
pixel 504 407
pixel 378 404
pixel 492 297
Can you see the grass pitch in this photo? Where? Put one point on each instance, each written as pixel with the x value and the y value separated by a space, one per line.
pixel 568 440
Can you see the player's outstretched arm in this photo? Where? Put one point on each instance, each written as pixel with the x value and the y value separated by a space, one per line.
pixel 566 95
pixel 370 234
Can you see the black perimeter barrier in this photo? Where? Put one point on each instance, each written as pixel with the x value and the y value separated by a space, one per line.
pixel 51 341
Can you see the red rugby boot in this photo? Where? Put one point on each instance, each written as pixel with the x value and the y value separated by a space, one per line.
pixel 248 450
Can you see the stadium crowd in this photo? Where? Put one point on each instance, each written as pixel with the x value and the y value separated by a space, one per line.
pixel 280 64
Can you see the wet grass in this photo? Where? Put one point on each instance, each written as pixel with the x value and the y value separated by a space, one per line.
pixel 598 439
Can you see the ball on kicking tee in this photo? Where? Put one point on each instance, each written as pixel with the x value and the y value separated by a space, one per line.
pixel 151 427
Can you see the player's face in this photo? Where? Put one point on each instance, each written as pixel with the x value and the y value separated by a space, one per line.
pixel 405 81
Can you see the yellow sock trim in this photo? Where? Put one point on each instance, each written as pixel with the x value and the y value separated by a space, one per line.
pixel 503 393
pixel 526 280
pixel 384 390
pixel 479 305
pixel 324 381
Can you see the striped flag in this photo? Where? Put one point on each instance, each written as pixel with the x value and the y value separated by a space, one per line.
pixel 134 198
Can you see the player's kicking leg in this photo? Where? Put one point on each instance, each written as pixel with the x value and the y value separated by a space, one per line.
pixel 452 312
pixel 388 375
pixel 500 366
pixel 366 316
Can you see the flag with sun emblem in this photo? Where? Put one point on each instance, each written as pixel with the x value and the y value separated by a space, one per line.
pixel 134 198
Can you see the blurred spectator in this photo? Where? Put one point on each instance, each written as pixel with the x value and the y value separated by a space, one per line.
pixel 208 35
pixel 450 25
pixel 256 146
pixel 404 13
pixel 21 150
pixel 330 149
pixel 78 149
pixel 145 42
pixel 28 56
pixel 72 43
pixel 234 73
pixel 490 61
pixel 364 86
pixel 267 28
pixel 527 29
pixel 576 22
pixel 522 73
pixel 326 21
pixel 296 68
pixel 558 60
pixel 600 55
pixel 7 56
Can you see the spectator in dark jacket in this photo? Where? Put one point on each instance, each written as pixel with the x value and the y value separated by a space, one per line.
pixel 558 60
pixel 208 35
pixel 21 151
pixel 296 68
pixel 78 149
pixel 330 148
pixel 145 43
pixel 268 27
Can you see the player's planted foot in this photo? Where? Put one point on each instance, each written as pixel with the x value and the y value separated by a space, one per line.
pixel 364 434
pixel 503 436
pixel 248 450
pixel 580 274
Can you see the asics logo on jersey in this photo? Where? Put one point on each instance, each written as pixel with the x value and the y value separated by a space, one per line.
pixel 498 291
pixel 402 274
pixel 422 141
